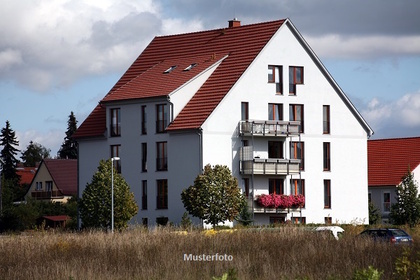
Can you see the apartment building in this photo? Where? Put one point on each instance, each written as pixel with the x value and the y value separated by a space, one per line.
pixel 253 97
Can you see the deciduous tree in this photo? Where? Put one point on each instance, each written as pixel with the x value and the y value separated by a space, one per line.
pixel 34 153
pixel 214 197
pixel 95 204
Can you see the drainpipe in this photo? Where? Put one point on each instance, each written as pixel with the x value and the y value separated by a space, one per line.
pixel 200 150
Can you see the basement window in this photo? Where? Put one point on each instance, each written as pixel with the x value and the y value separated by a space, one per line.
pixel 191 66
pixel 170 69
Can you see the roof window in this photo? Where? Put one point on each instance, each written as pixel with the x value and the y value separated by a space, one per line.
pixel 191 66
pixel 170 69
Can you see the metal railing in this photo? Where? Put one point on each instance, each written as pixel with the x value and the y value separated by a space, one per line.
pixel 46 194
pixel 269 128
pixel 270 166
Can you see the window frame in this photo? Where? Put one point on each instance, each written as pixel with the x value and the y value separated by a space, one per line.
pixel 115 122
pixel 144 157
pixel 161 117
pixel 293 79
pixel 386 205
pixel 294 116
pixel 276 186
pixel 162 194
pixel 275 111
pixel 296 185
pixel 326 156
pixel 244 111
pixel 276 77
pixel 144 195
pixel 326 121
pixel 143 120
pixel 327 194
pixel 162 156
pixel 294 152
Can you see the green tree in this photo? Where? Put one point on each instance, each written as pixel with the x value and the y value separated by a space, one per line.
pixel 407 208
pixel 8 153
pixel 214 197
pixel 68 149
pixel 34 153
pixel 374 214
pixel 95 204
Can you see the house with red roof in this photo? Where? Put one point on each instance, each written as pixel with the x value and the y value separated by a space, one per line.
pixel 55 180
pixel 389 160
pixel 255 98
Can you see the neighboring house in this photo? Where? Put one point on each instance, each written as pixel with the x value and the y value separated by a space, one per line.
pixel 255 98
pixel 26 174
pixel 389 161
pixel 55 180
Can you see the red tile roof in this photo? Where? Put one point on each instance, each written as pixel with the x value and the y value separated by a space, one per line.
pixel 26 174
pixel 389 160
pixel 64 174
pixel 145 76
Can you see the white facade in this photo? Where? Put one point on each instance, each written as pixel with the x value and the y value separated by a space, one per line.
pixel 219 141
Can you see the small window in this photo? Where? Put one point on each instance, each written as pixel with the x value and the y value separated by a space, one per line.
pixel 275 112
pixel 386 201
pixel 144 157
pixel 38 186
pixel 326 119
pixel 296 114
pixel 327 194
pixel 297 151
pixel 161 118
pixel 275 186
pixel 245 186
pixel 144 195
pixel 170 69
pixel 115 122
pixel 295 78
pixel 327 156
pixel 244 111
pixel 191 66
pixel 48 186
pixel 162 194
pixel 161 156
pixel 275 76
pixel 143 120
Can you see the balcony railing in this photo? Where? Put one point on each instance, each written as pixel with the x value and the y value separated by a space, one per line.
pixel 253 204
pixel 46 194
pixel 269 128
pixel 270 166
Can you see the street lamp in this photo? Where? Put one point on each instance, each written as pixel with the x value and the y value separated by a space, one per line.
pixel 112 192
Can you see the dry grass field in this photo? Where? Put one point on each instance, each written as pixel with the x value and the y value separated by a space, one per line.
pixel 280 253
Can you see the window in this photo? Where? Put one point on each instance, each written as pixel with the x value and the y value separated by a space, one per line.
pixel 275 112
pixel 326 119
pixel 298 220
pixel 297 186
pixel 275 75
pixel 161 156
pixel 115 152
pixel 244 111
pixel 144 157
pixel 386 201
pixel 144 195
pixel 170 69
pixel 245 186
pixel 297 150
pixel 327 194
pixel 145 222
pixel 48 186
pixel 191 66
pixel 327 156
pixel 275 149
pixel 143 120
pixel 295 78
pixel 277 219
pixel 162 194
pixel 328 220
pixel 369 197
pixel 275 186
pixel 38 186
pixel 161 117
pixel 296 114
pixel 115 122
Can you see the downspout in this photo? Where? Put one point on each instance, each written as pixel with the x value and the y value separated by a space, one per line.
pixel 200 150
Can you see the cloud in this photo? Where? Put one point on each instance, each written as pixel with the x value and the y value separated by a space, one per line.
pixel 51 140
pixel 397 118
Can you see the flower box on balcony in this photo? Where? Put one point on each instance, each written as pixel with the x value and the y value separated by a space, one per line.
pixel 281 201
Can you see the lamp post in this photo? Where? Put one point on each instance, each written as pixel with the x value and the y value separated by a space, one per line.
pixel 112 192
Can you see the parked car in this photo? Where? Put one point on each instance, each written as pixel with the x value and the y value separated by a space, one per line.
pixel 335 231
pixel 392 235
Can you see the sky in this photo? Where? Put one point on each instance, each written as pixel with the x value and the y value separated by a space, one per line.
pixel 63 56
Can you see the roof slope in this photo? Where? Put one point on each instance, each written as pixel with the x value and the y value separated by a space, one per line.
pixel 389 160
pixel 242 44
pixel 64 174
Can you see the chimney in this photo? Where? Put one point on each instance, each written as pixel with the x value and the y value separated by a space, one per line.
pixel 234 22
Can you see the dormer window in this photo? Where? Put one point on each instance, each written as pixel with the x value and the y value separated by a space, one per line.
pixel 170 69
pixel 191 66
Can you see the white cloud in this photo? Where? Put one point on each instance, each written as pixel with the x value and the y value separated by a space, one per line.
pixel 337 46
pixel 395 118
pixel 51 140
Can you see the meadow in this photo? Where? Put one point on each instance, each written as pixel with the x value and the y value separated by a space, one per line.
pixel 285 252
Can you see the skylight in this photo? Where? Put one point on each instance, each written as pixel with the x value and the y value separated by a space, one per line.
pixel 191 66
pixel 170 69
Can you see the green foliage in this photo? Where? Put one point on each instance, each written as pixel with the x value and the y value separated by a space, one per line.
pixel 34 154
pixel 232 274
pixel 370 273
pixel 374 214
pixel 7 156
pixel 245 216
pixel 214 197
pixel 407 208
pixel 186 222
pixel 95 204
pixel 68 149
pixel 407 268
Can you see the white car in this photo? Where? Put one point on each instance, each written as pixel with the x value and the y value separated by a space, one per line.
pixel 336 231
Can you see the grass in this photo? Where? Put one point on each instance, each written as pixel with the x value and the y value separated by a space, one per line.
pixel 279 253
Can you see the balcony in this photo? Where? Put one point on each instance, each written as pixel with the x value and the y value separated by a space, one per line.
pixel 257 208
pixel 269 128
pixel 46 194
pixel 270 166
